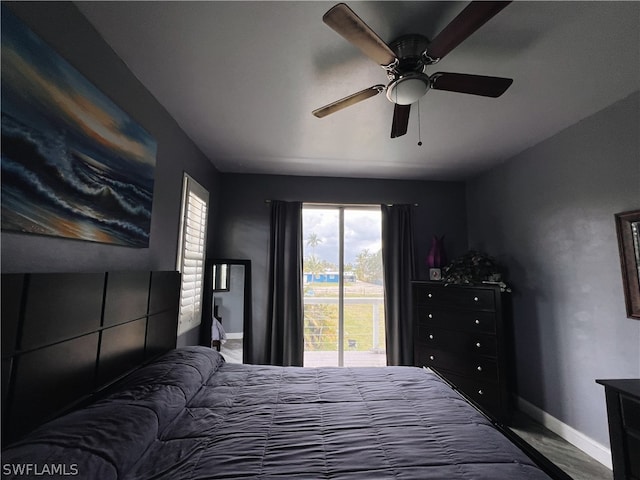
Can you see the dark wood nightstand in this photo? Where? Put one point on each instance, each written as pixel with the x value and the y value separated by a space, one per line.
pixel 623 410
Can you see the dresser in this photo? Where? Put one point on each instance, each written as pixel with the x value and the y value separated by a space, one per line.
pixel 461 332
pixel 623 411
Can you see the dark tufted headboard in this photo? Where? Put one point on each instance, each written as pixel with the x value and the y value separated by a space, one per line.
pixel 65 336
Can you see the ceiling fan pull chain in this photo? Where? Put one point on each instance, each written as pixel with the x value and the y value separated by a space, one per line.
pixel 419 128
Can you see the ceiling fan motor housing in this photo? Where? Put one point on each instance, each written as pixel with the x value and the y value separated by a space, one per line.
pixel 408 80
pixel 409 50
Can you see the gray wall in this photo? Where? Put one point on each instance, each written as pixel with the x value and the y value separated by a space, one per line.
pixel 68 32
pixel 549 215
pixel 243 223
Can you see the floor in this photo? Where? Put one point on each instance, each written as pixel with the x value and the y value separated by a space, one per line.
pixel 570 459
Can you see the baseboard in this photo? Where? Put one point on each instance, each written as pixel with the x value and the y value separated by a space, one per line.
pixel 588 445
pixel 234 336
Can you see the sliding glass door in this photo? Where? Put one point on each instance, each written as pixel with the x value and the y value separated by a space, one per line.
pixel 343 291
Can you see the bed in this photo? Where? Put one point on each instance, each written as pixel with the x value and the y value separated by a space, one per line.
pixel 93 387
pixel 191 415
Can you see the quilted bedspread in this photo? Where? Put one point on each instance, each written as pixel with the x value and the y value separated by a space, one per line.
pixel 192 416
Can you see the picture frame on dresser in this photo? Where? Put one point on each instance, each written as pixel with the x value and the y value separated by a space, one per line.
pixel 628 232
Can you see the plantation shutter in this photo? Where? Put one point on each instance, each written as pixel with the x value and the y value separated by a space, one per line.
pixel 191 259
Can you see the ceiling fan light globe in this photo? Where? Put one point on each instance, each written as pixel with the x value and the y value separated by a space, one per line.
pixel 408 90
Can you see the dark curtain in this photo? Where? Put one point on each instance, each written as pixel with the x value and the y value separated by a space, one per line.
pixel 285 315
pixel 398 269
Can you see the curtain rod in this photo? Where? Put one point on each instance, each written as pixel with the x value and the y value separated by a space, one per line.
pixel 325 204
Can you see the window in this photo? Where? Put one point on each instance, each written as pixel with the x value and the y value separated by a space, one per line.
pixel 191 252
pixel 343 289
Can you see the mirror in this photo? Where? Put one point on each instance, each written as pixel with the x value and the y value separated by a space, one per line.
pixel 228 299
pixel 628 230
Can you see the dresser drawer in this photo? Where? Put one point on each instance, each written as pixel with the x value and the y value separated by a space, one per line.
pixel 630 409
pixel 457 320
pixel 485 394
pixel 633 443
pixel 630 413
pixel 474 343
pixel 631 424
pixel 478 368
pixel 454 297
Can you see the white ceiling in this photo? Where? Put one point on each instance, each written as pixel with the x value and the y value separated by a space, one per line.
pixel 241 79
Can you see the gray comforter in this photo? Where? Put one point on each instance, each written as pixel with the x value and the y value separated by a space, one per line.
pixel 190 415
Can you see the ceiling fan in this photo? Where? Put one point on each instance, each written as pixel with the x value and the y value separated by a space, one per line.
pixel 406 59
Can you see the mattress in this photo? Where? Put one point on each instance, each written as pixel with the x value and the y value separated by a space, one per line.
pixel 191 415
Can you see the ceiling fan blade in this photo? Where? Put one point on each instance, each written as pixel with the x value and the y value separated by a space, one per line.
pixel 468 21
pixel 344 21
pixel 348 101
pixel 400 120
pixel 472 84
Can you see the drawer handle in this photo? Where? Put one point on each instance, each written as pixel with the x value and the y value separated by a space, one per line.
pixel 480 392
pixel 477 322
pixel 430 315
pixel 479 368
pixel 429 295
pixel 431 357
pixel 475 299
pixel 478 345
pixel 430 336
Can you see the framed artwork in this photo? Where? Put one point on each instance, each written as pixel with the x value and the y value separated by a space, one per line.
pixel 435 274
pixel 74 164
pixel 628 230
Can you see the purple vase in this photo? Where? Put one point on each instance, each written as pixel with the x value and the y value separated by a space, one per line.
pixel 437 257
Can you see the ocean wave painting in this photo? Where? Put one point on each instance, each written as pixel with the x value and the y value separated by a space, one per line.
pixel 74 165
